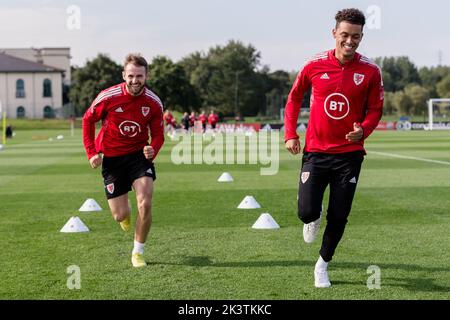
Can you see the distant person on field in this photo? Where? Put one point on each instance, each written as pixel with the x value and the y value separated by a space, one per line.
pixel 192 118
pixel 169 120
pixel 203 118
pixel 9 131
pixel 128 112
pixel 346 106
pixel 185 121
pixel 213 118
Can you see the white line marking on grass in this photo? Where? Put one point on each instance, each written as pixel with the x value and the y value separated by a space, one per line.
pixel 408 157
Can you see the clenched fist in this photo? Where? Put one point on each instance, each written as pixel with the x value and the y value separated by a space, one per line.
pixel 96 161
pixel 149 152
pixel 293 146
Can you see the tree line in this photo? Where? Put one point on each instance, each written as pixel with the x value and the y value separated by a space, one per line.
pixel 407 88
pixel 231 80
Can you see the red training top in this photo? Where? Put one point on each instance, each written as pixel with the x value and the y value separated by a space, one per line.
pixel 168 118
pixel 203 118
pixel 341 95
pixel 192 119
pixel 213 119
pixel 127 121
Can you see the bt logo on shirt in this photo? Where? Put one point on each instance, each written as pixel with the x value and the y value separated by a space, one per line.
pixel 129 128
pixel 336 106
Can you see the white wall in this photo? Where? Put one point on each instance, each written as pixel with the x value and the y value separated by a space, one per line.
pixel 58 58
pixel 34 101
pixel 3 91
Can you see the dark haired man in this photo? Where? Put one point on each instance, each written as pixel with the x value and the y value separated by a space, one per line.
pixel 128 111
pixel 346 106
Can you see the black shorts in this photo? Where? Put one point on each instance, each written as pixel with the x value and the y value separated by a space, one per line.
pixel 119 173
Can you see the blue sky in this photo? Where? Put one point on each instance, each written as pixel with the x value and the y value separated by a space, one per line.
pixel 286 32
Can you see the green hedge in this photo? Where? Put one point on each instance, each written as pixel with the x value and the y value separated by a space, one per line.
pixel 28 124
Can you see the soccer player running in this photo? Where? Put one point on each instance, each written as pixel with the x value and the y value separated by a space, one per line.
pixel 213 118
pixel 128 111
pixel 203 118
pixel 345 107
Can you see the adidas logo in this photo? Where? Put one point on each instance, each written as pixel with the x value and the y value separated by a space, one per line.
pixel 150 171
pixel 353 180
pixel 119 109
pixel 325 76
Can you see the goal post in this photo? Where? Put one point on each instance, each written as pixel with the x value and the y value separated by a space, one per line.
pixel 431 103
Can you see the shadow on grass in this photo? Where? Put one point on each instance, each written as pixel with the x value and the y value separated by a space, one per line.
pixel 425 283
pixel 417 284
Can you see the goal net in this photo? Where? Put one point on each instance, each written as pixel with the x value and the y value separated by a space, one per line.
pixel 438 114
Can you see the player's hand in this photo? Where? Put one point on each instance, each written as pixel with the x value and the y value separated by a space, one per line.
pixel 149 152
pixel 96 161
pixel 293 146
pixel 356 134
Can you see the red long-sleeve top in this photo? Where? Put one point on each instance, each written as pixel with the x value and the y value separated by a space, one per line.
pixel 340 96
pixel 127 122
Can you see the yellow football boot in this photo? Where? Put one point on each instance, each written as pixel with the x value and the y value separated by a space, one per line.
pixel 126 224
pixel 137 260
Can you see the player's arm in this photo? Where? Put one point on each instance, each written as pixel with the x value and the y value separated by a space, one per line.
pixel 156 132
pixel 292 109
pixel 91 116
pixel 374 105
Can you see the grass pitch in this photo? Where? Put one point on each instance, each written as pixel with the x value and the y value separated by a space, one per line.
pixel 202 247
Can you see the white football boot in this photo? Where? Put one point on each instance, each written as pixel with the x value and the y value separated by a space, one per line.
pixel 321 279
pixel 311 229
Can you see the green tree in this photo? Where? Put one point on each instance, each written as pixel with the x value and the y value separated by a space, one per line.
pixel 389 107
pixel 418 96
pixel 192 63
pixel 402 103
pixel 443 87
pixel 277 86
pixel 430 77
pixel 398 72
pixel 87 82
pixel 233 81
pixel 171 84
pixel 227 79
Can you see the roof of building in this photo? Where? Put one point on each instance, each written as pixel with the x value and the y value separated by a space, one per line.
pixel 9 63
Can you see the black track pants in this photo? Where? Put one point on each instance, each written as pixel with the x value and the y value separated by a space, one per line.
pixel 341 173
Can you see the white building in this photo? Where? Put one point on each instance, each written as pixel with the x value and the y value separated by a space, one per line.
pixel 31 81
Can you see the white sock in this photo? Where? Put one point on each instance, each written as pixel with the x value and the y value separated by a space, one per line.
pixel 321 264
pixel 138 247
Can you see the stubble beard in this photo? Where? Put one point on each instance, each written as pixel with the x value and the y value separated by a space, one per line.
pixel 135 90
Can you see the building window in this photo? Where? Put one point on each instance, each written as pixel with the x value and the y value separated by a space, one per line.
pixel 20 113
pixel 48 112
pixel 47 88
pixel 20 88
